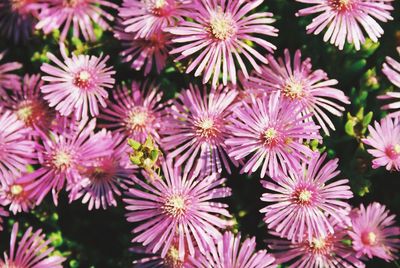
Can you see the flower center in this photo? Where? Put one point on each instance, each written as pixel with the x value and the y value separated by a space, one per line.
pixel 175 206
pixel 393 152
pixel 83 79
pixel 62 159
pixel 16 5
pixel 172 259
pixel 71 3
pixel 222 26
pixel 157 7
pixel 270 136
pixel 293 89
pixel 369 238
pixel 305 196
pixel 137 119
pixel 24 113
pixel 206 128
pixel 16 189
pixel 341 5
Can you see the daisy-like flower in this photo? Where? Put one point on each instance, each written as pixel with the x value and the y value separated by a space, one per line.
pixel 218 35
pixel 301 202
pixel 196 130
pixel 173 207
pixel 300 84
pixel 374 234
pixel 16 150
pixel 135 111
pixel 77 85
pixel 7 80
pixel 32 251
pixel 144 53
pixel 28 104
pixel 384 137
pixel 347 19
pixel 78 14
pixel 392 70
pixel 143 18
pixel 229 253
pixel 272 129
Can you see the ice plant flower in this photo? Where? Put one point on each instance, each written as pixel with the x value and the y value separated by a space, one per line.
pixel 218 37
pixel 8 80
pixel 347 19
pixel 301 203
pixel 76 14
pixel 271 130
pixel 135 111
pixel 173 207
pixel 31 251
pixel 392 71
pixel 143 18
pixel 28 104
pixel 196 130
pixel 16 150
pixel 300 84
pixel 230 253
pixel 78 84
pixel 374 232
pixel 384 138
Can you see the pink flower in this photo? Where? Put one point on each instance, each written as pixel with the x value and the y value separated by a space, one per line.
pixel 7 80
pixel 143 18
pixel 216 38
pixel 272 130
pixel 3 213
pixel 385 140
pixel 31 251
pixel 173 207
pixel 300 84
pixel 16 150
pixel 346 19
pixel 230 253
pixel 196 130
pixel 301 202
pixel 135 112
pixel 60 14
pixel 374 233
pixel 392 70
pixel 78 84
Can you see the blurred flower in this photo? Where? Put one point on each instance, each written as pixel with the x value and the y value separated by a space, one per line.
pixel 301 85
pixel 301 202
pixel 78 84
pixel 7 80
pixel 385 140
pixel 31 251
pixel 392 70
pixel 196 130
pixel 3 213
pixel 374 234
pixel 173 207
pixel 271 128
pixel 16 150
pixel 60 14
pixel 346 19
pixel 219 32
pixel 229 253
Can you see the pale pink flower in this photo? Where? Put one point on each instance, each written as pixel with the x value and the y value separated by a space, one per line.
pixel 392 70
pixel 8 80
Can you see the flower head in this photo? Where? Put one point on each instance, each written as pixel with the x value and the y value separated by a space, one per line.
pixel 346 19
pixel 384 137
pixel 301 202
pixel 196 130
pixel 301 85
pixel 7 80
pixel 77 85
pixel 217 36
pixel 272 129
pixel 173 207
pixel 392 70
pixel 31 251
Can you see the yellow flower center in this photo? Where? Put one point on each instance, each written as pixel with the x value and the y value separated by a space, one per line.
pixel 16 189
pixel 175 206
pixel 222 25
pixel 305 196
pixel 318 243
pixel 71 3
pixel 341 5
pixel 83 79
pixel 293 90
pixel 369 238
pixel 396 148
pixel 138 119
pixel 270 136
pixel 24 113
pixel 172 259
pixel 62 159
pixel 206 128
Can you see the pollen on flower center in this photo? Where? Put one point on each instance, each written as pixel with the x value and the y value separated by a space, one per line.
pixel 62 159
pixel 25 112
pixel 172 258
pixel 71 3
pixel 175 206
pixel 393 152
pixel 293 89
pixel 305 196
pixel 206 128
pixel 222 26
pixel 83 79
pixel 270 136
pixel 369 238
pixel 16 189
pixel 157 7
pixel 341 5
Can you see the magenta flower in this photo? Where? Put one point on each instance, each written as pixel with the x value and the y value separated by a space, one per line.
pixel 374 233
pixel 392 70
pixel 229 253
pixel 346 19
pixel 16 150
pixel 143 18
pixel 271 129
pixel 31 251
pixel 217 36
pixel 302 85
pixel 196 130
pixel 136 111
pixel 7 80
pixel 301 202
pixel 173 207
pixel 3 213
pixel 77 85
pixel 78 14
pixel 385 140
